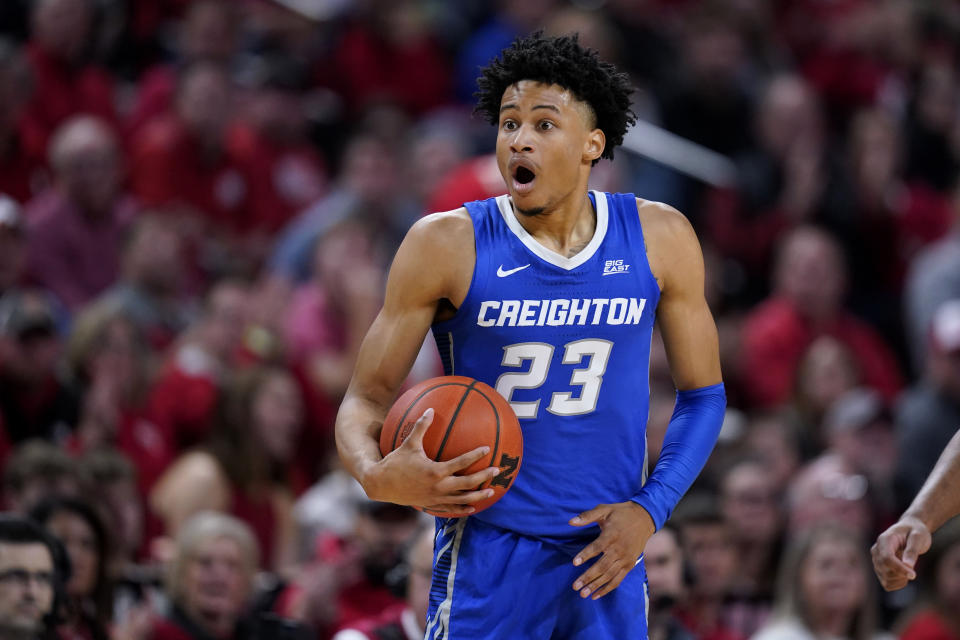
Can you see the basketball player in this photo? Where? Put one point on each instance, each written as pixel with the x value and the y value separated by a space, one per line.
pixel 548 293
pixel 897 549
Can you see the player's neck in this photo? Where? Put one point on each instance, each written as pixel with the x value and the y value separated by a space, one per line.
pixel 565 228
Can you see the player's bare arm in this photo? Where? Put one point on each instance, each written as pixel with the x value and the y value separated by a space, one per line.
pixel 896 551
pixel 690 338
pixel 433 264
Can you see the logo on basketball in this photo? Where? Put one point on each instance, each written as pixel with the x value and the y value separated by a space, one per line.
pixel 508 466
pixel 405 431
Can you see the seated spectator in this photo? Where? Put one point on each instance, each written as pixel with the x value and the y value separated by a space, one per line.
pixel 413 577
pixel 113 478
pixel 933 279
pixel 772 441
pixel 284 172
pixel 35 401
pixel 22 172
pixel 28 580
pixel 752 508
pixel 151 289
pixel 346 580
pixel 827 370
pixel 929 412
pixel 785 182
pixel 181 160
pixel 36 471
pixel 210 580
pixel 367 191
pixel 111 368
pixel 807 302
pixel 208 32
pixel 76 228
pixel 182 399
pixel 88 609
pixel 859 430
pixel 937 616
pixel 825 589
pixel 243 467
pixel 65 83
pixel 388 51
pixel 828 490
pixel 708 547
pixel 664 562
pixel 329 317
pixel 475 179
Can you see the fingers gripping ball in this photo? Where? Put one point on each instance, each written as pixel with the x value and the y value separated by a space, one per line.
pixel 467 414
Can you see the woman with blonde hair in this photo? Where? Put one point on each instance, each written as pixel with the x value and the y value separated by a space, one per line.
pixel 825 590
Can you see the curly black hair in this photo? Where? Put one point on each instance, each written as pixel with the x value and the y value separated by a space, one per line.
pixel 561 61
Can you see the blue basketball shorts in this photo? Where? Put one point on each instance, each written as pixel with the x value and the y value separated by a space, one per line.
pixel 494 584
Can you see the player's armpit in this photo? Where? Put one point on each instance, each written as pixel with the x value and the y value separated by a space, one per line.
pixel 686 324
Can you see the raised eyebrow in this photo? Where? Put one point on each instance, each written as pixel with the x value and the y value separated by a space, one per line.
pixel 539 106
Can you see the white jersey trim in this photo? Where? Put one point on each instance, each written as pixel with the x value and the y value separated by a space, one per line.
pixel 548 255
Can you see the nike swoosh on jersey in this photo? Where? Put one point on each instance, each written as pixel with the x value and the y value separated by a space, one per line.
pixel 501 273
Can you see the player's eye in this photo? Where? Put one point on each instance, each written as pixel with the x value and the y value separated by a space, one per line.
pixel 509 125
pixel 545 125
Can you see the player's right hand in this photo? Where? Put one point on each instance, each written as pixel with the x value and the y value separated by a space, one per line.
pixel 408 476
pixel 896 551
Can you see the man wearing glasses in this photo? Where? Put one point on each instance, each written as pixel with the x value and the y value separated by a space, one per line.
pixel 26 579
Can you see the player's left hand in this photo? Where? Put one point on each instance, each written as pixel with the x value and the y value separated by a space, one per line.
pixel 625 528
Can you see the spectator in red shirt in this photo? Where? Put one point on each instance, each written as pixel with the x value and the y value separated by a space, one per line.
pixel 347 580
pixel 76 229
pixel 284 172
pixel 34 399
pixel 65 83
pixel 183 399
pixel 809 283
pixel 938 617
pixel 181 160
pixel 110 363
pixel 207 33
pixel 403 621
pixel 389 53
pixel 243 468
pixel 21 169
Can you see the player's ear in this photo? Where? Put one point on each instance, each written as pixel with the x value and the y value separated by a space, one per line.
pixel 594 145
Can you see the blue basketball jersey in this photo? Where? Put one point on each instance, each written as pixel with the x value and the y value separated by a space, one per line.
pixel 567 342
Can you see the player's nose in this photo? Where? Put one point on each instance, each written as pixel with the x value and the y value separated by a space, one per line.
pixel 521 140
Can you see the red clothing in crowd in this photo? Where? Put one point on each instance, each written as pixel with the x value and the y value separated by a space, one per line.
pixel 398 621
pixel 170 168
pixel 183 400
pixel 259 511
pixel 281 180
pixel 368 68
pixel 155 93
pixel 23 174
pixel 776 335
pixel 475 179
pixel 61 91
pixel 356 602
pixel 72 256
pixel 929 625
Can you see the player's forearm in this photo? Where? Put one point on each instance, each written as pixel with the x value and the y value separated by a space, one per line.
pixel 358 424
pixel 939 498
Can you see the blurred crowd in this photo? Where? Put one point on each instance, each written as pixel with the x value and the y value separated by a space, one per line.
pixel 199 200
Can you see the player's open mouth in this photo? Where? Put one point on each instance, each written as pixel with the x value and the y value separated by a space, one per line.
pixel 523 179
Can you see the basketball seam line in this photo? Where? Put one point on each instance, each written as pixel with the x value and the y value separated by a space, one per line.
pixel 396 434
pixel 453 420
pixel 496 441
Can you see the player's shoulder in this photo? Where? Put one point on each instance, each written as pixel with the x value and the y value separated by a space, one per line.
pixel 662 221
pixel 452 229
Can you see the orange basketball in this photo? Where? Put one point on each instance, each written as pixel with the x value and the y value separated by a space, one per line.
pixel 467 414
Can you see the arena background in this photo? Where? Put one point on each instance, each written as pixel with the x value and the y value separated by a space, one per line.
pixel 200 203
